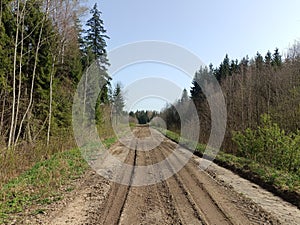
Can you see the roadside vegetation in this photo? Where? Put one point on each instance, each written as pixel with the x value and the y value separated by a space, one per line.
pixel 44 53
pixel 46 182
pixel 41 184
pixel 282 182
pixel 270 145
pixel 262 96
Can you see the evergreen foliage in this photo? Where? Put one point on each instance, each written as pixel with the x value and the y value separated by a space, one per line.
pixel 95 36
pixel 265 85
pixel 94 49
pixel 118 99
pixel 43 55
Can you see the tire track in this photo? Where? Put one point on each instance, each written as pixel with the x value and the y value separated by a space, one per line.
pixel 128 187
pixel 155 204
pixel 178 187
pixel 164 194
pixel 189 196
pixel 210 209
pixel 242 213
pixel 111 209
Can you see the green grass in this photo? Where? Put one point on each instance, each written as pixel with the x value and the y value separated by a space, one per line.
pixel 281 179
pixel 14 161
pixel 132 125
pixel 172 135
pixel 109 142
pixel 41 185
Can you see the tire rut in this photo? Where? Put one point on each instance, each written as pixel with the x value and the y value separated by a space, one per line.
pixel 245 212
pixel 166 198
pixel 190 196
pixel 211 211
pixel 111 209
pixel 155 204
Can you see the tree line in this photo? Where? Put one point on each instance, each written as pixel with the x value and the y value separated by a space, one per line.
pixel 142 116
pixel 263 85
pixel 44 52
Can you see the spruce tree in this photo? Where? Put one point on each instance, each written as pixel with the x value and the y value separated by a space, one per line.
pixel 95 50
pixel 268 58
pixel 184 96
pixel 118 99
pixel 201 77
pixel 96 37
pixel 259 61
pixel 276 60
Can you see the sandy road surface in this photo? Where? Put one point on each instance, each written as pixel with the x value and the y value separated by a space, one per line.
pixel 190 196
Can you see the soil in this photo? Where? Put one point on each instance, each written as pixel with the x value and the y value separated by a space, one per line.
pixel 190 196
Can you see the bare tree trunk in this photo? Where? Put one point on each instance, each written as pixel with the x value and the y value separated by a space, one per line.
pixel 242 100
pixel 33 79
pixel 29 135
pixel 10 138
pixel 63 52
pixel 85 90
pixel 22 17
pixel 38 133
pixel 50 101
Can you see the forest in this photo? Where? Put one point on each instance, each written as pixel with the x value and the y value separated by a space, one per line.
pixel 44 51
pixel 47 47
pixel 262 97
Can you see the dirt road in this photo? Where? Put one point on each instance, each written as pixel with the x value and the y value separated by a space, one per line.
pixel 190 196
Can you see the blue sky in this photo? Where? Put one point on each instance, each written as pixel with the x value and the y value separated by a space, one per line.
pixel 209 29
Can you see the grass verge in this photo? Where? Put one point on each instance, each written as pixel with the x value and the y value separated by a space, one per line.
pixel 42 184
pixel 285 185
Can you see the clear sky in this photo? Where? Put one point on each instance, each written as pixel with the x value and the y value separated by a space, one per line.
pixel 210 29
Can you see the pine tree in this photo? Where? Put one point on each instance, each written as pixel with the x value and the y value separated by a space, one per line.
pixel 244 63
pixel 7 32
pixel 195 89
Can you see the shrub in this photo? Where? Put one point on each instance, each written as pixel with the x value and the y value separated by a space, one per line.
pixel 270 145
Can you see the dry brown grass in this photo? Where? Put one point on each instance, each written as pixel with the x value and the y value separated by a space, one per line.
pixel 16 160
